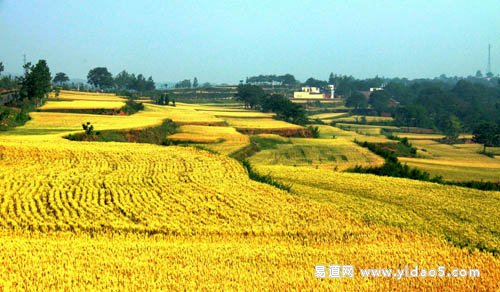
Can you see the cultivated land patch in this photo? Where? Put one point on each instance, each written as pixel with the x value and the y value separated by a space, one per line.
pixel 89 96
pixel 116 216
pixel 81 104
pixel 331 154
pixel 225 140
pixel 458 162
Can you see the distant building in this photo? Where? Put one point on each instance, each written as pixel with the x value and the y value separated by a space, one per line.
pixel 311 93
pixel 367 93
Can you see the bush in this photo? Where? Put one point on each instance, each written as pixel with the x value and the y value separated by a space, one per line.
pixel 89 128
pixel 131 107
pixel 314 130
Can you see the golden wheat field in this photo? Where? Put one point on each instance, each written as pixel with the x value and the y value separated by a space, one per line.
pixel 183 210
pixel 67 95
pixel 133 217
pixel 81 104
pixel 259 123
pixel 225 140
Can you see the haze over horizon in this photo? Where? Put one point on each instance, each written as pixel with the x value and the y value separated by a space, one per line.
pixel 226 41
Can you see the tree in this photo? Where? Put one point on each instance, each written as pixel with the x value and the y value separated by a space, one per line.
pixel 100 78
pixel 379 100
pixel 479 74
pixel 164 99
pixel 195 82
pixel 331 79
pixel 150 84
pixel 315 83
pixel 357 100
pixel 1 67
pixel 487 134
pixel 288 79
pixel 60 78
pixel 452 127
pixel 123 80
pixel 36 83
pixel 251 95
pixel 186 83
pixel 89 128
pixel 283 107
pixel 398 91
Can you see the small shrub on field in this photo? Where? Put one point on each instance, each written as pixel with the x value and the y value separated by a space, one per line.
pixel 314 131
pixel 89 128
pixel 131 107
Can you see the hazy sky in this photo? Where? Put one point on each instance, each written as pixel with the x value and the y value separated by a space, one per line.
pixel 225 41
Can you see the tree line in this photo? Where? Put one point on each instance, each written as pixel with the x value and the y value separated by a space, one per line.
pixel 434 104
pixel 255 97
pixel 286 79
pixel 34 86
pixel 101 78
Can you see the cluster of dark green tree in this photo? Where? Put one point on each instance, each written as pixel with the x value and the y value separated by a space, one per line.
pixel 7 82
pixel 35 85
pixel 452 110
pixel 186 83
pixel 286 79
pixel 126 81
pixel 346 85
pixel 379 102
pixel 101 78
pixel 36 82
pixel 164 99
pixel 255 97
pixel 60 78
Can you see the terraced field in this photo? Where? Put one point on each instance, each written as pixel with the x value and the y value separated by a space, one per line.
pixel 328 116
pixel 331 154
pixel 114 185
pixel 365 129
pixel 127 216
pixel 460 215
pixel 81 104
pixel 358 119
pixel 225 140
pixel 182 114
pixel 329 132
pixel 43 125
pixel 205 212
pixel 259 123
pixel 449 161
pixel 66 95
